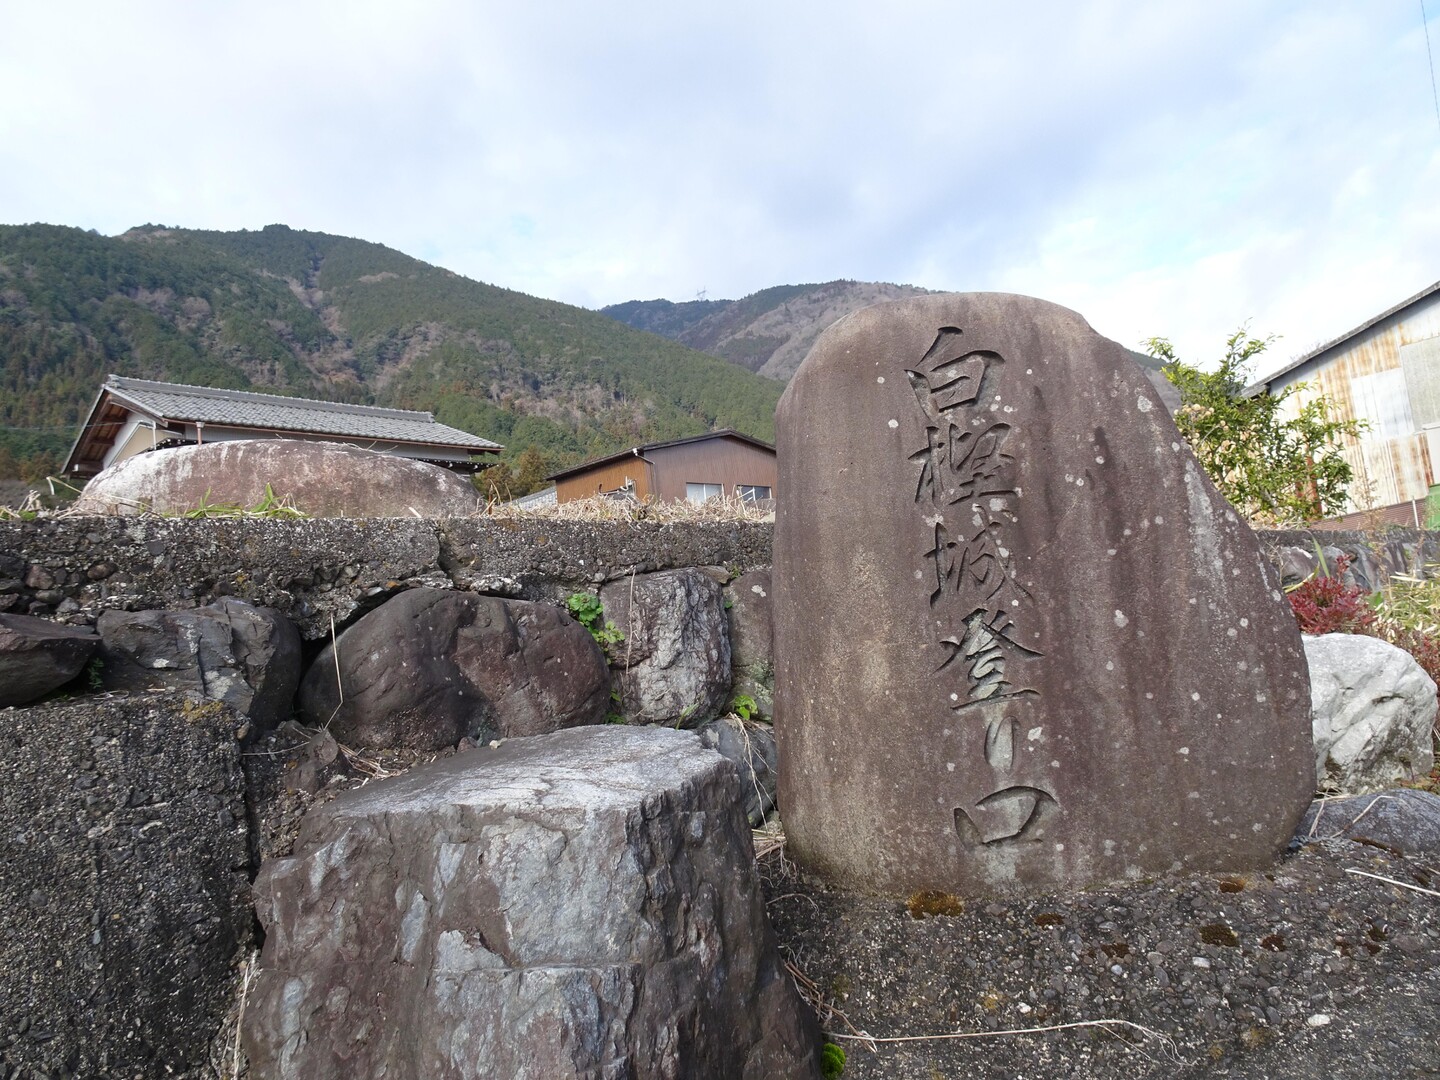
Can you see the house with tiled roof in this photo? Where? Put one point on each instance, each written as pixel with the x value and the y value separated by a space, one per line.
pixel 135 416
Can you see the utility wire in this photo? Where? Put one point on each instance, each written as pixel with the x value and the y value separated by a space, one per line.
pixel 1434 93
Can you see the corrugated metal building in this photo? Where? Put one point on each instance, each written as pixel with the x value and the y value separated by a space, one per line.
pixel 1386 372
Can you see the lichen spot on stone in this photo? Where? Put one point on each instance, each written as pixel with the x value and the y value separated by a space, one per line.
pixel 1143 404
pixel 894 423
pixel 880 379
pixel 1120 618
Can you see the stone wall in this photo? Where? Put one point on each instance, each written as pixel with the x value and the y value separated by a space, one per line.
pixel 317 570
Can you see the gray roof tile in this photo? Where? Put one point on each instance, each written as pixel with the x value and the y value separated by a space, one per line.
pixel 243 408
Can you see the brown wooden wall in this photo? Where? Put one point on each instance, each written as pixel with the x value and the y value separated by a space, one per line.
pixel 664 471
pixel 607 477
pixel 714 461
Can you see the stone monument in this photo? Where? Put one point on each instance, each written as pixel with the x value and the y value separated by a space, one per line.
pixel 1021 641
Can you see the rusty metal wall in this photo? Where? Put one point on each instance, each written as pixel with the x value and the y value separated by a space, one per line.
pixel 1364 378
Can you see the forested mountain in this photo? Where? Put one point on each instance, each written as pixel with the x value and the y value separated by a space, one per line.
pixel 306 313
pixel 768 332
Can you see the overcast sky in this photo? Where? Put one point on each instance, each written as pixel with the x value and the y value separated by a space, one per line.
pixel 1170 168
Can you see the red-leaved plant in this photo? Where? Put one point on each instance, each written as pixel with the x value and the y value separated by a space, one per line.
pixel 1324 604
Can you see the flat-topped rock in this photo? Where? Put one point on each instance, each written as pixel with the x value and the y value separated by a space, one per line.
pixel 1021 641
pixel 581 904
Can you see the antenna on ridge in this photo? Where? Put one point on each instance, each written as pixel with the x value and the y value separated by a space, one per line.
pixel 701 294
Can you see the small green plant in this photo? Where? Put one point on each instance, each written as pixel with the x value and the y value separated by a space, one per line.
pixel 743 706
pixel 95 675
pixel 269 506
pixel 615 715
pixel 832 1061
pixel 587 611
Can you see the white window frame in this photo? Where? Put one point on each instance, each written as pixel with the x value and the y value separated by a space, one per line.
pixel 702 492
pixel 750 492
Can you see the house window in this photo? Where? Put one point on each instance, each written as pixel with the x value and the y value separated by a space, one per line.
pixel 752 492
pixel 698 493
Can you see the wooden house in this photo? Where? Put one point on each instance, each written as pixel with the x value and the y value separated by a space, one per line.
pixel 133 416
pixel 694 469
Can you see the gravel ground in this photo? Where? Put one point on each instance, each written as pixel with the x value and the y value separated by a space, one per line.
pixel 1303 970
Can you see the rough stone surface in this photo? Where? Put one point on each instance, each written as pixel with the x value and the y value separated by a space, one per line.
pixel 1401 818
pixel 1021 641
pixel 674 665
pixel 312 572
pixel 245 656
pixel 751 747
pixel 317 570
pixel 1373 708
pixel 37 656
pixel 580 904
pixel 124 896
pixel 548 560
pixel 750 614
pixel 431 667
pixel 322 479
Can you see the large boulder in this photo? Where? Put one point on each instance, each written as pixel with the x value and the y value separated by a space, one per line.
pixel 245 656
pixel 1400 818
pixel 321 479
pixel 1021 641
pixel 431 667
pixel 37 656
pixel 581 904
pixel 1374 707
pixel 124 885
pixel 673 666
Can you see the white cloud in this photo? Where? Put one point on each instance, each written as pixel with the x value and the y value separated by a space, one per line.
pixel 1164 169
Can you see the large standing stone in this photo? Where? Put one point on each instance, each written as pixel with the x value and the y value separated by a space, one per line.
pixel 1021 641
pixel 322 479
pixel 674 665
pixel 124 885
pixel 245 656
pixel 1373 708
pixel 37 656
pixel 576 905
pixel 431 666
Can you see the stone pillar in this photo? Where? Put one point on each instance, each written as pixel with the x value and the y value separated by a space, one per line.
pixel 1021 641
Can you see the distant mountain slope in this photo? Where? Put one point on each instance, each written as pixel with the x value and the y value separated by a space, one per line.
pixel 768 332
pixel 342 319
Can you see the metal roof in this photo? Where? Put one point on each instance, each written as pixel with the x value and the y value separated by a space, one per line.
pixel 243 408
pixel 640 451
pixel 1263 384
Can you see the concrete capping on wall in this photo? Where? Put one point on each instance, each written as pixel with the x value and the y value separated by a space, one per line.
pixel 332 569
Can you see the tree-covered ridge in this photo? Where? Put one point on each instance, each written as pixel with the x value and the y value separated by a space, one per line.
pixel 769 331
pixel 288 311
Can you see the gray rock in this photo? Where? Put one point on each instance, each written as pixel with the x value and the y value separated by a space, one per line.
pixel 124 885
pixel 431 666
pixel 750 616
pixel 245 656
pixel 322 479
pixel 751 747
pixel 1400 818
pixel 581 904
pixel 1373 708
pixel 37 656
pixel 674 665
pixel 1021 641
